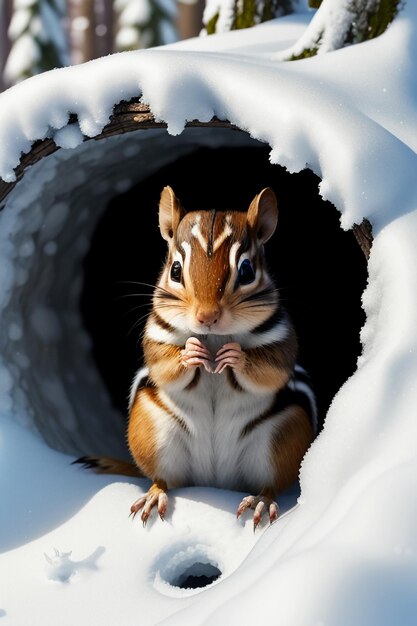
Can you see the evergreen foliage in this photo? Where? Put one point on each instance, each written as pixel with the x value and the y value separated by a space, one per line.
pixel 38 37
pixel 145 23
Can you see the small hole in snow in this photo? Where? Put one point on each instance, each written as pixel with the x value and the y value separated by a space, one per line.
pixel 183 571
pixel 197 575
pixel 305 253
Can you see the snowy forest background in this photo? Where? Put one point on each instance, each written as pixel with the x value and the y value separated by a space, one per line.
pixel 39 35
pixel 347 547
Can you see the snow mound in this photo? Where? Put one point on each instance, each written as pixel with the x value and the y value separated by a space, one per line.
pixel 347 552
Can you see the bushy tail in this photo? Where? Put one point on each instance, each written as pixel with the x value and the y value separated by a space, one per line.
pixel 108 465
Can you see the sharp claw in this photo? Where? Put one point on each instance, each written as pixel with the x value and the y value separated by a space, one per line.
pixel 259 504
pixel 147 502
pixel 273 513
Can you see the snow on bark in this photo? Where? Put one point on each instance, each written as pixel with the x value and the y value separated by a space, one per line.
pixel 223 15
pixel 339 23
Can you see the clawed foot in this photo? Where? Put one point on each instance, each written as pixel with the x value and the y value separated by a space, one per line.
pixel 156 496
pixel 260 504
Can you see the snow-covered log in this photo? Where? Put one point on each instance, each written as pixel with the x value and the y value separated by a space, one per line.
pixel 132 116
pixel 344 550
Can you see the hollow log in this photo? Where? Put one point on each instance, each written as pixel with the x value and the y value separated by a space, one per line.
pixel 132 116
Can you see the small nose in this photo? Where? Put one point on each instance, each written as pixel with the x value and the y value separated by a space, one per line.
pixel 208 316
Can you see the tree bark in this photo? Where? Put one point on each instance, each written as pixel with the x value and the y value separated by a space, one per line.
pixel 104 27
pixel 357 21
pixel 239 14
pixel 82 30
pixel 126 117
pixel 132 116
pixel 189 18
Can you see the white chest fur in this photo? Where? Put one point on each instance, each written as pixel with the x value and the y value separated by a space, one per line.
pixel 215 413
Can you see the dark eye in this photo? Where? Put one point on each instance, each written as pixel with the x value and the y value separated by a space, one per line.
pixel 246 273
pixel 176 271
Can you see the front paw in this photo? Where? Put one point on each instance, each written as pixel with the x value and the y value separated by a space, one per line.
pixel 195 354
pixel 232 355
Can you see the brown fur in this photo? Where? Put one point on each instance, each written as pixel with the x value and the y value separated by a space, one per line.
pixel 164 362
pixel 271 366
pixel 141 433
pixel 209 286
pixel 210 272
pixel 291 441
pixel 159 486
pixel 109 465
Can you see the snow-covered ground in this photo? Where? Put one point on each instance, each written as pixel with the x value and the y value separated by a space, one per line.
pixel 345 552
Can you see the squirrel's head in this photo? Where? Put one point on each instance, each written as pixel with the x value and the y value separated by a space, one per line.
pixel 215 279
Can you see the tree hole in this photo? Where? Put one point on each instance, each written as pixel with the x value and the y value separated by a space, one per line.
pixel 319 268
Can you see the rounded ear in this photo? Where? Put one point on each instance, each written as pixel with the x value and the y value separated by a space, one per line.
pixel 263 214
pixel 170 213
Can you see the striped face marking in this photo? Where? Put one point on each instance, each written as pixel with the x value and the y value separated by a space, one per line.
pixel 215 265
pixel 207 241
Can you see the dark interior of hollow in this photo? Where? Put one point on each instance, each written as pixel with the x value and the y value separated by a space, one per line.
pixel 319 268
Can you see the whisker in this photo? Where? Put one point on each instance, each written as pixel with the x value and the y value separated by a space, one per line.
pixel 131 295
pixel 160 304
pixel 143 317
pixel 260 305
pixel 176 315
pixel 269 292
pixel 166 296
pixel 140 306
pixel 135 282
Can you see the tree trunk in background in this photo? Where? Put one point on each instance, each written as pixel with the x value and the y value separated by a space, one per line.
pixel 104 27
pixel 340 23
pixel 190 18
pixel 99 27
pixel 224 15
pixel 82 25
pixel 336 23
pixel 6 7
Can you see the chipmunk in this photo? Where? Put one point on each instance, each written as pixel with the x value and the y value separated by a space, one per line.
pixel 221 401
